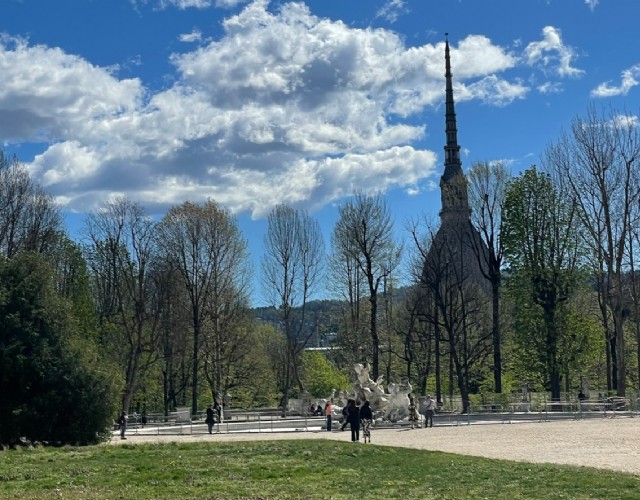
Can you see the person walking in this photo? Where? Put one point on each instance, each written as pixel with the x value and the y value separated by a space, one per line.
pixel 328 408
pixel 122 423
pixel 345 413
pixel 354 421
pixel 210 419
pixel 429 410
pixel 366 419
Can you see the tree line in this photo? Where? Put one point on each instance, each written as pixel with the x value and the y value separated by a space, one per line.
pixel 147 315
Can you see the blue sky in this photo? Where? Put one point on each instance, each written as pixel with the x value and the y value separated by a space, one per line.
pixel 258 103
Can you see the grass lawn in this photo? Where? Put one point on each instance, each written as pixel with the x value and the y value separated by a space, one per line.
pixel 290 469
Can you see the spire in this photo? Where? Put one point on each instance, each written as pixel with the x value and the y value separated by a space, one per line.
pixel 452 164
pixel 453 184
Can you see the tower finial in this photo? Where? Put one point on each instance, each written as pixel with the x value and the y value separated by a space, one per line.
pixel 452 149
pixel 453 183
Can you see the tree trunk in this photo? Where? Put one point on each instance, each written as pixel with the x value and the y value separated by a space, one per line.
pixel 194 367
pixel 497 354
pixel 375 341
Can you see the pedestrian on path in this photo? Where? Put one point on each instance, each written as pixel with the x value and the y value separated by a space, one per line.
pixel 429 410
pixel 210 419
pixel 366 419
pixel 354 421
pixel 327 411
pixel 122 423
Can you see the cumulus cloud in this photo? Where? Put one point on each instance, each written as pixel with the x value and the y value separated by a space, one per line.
pixel 552 54
pixel 48 95
pixel 630 78
pixel 493 91
pixel 283 107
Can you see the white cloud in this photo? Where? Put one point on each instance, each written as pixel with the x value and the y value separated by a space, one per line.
pixel 591 4
pixel 227 4
pixel 552 53
pixel 284 106
pixel 47 95
pixel 626 121
pixel 550 88
pixel 492 90
pixel 630 78
pixel 194 36
pixel 185 4
pixel 392 9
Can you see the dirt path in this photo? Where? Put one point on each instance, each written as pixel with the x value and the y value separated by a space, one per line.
pixel 608 443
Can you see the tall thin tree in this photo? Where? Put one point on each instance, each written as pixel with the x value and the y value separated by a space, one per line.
pixel 364 233
pixel 291 269
pixel 487 184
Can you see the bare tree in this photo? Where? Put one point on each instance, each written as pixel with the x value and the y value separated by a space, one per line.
pixel 205 246
pixel 227 334
pixel 364 234
pixel 173 304
pixel 29 218
pixel 600 162
pixel 292 266
pixel 120 253
pixel 346 281
pixel 424 306
pixel 455 305
pixel 487 184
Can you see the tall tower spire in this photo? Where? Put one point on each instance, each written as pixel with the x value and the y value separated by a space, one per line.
pixel 453 184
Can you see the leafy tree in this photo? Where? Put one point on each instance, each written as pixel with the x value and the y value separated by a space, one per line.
pixel 256 374
pixel 54 386
pixel 599 160
pixel 541 245
pixel 320 376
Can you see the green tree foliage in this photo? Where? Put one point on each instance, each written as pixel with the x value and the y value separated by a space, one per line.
pixel 52 384
pixel 599 160
pixel 320 376
pixel 541 246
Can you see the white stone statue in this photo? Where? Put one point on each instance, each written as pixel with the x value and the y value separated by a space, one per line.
pixel 392 405
pixel 367 389
pixel 398 406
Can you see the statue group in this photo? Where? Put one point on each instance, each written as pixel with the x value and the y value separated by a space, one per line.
pixel 390 405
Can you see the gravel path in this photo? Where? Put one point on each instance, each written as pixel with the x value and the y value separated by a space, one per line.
pixel 608 443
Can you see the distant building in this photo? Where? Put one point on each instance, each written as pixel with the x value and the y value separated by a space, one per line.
pixel 456 248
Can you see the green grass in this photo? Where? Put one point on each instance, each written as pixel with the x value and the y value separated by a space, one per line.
pixel 290 469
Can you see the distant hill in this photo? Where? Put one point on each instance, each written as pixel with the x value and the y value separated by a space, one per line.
pixel 322 317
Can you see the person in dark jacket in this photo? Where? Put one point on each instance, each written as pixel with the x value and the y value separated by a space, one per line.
pixel 345 413
pixel 366 419
pixel 122 423
pixel 210 420
pixel 354 421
